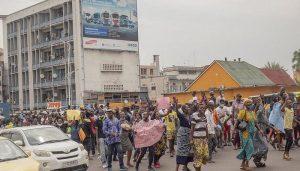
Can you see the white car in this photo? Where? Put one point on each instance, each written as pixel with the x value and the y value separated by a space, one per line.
pixel 50 147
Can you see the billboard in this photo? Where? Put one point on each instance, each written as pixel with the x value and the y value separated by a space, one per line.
pixel 110 24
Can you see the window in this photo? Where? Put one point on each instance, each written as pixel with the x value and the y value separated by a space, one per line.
pixel 112 88
pixel 143 71
pixel 153 88
pixel 183 72
pixel 17 137
pixel 6 135
pixel 112 67
pixel 151 71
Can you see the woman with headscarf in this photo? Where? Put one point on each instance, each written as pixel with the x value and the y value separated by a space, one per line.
pixel 247 135
pixel 260 142
pixel 184 151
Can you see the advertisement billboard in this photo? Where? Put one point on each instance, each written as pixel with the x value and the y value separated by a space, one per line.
pixel 110 24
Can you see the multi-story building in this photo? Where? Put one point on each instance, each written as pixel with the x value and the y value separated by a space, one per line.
pixel 152 70
pixel 169 80
pixel 65 50
pixel 2 86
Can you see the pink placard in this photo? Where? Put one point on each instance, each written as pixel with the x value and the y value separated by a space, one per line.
pixel 163 103
pixel 148 133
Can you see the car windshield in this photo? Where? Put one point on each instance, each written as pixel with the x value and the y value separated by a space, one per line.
pixel 47 135
pixel 10 151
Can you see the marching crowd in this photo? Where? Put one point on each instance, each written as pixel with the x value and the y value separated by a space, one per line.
pixel 191 132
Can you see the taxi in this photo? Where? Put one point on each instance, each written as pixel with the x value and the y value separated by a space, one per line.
pixel 13 158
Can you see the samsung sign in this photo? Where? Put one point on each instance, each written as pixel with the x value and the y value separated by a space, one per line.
pixel 110 24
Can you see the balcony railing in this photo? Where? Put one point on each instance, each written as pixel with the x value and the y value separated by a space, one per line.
pixel 35 27
pixel 24 31
pixel 59 62
pixel 45 44
pixel 57 20
pixel 35 46
pixel 45 64
pixel 36 85
pixel 14 88
pixel 60 82
pixel 11 35
pixel 46 84
pixel 45 24
pixel 68 17
pixel 12 52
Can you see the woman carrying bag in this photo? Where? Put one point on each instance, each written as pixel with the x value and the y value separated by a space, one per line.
pixel 246 125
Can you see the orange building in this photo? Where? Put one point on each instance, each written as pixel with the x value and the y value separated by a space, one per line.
pixel 234 77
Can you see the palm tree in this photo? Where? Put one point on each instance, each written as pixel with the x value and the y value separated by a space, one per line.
pixel 296 60
pixel 274 65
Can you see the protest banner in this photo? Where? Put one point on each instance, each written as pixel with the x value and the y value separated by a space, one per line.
pixel 148 133
pixel 73 115
pixel 53 105
pixel 163 103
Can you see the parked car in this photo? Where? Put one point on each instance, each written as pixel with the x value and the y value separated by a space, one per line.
pixel 115 19
pixel 124 21
pixel 105 17
pixel 50 147
pixel 88 17
pixel 97 18
pixel 13 158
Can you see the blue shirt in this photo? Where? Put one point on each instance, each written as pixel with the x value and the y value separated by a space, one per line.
pixel 111 127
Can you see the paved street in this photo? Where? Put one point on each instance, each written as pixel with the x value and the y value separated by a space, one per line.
pixel 225 161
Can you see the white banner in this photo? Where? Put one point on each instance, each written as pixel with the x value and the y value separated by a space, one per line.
pixel 108 44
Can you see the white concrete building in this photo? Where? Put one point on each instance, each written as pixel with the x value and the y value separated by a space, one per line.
pixel 48 58
pixel 169 80
pixel 152 70
pixel 2 85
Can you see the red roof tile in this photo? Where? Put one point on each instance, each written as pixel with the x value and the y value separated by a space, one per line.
pixel 278 76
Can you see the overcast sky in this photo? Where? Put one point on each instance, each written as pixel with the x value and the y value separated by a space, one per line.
pixel 195 32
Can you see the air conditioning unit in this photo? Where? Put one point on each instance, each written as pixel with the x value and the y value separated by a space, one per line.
pixel 42 76
pixel 54 75
pixel 52 57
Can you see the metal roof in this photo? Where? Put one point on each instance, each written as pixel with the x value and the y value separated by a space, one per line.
pixel 278 76
pixel 245 74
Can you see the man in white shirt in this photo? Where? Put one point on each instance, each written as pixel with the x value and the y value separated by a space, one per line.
pixel 221 111
pixel 212 143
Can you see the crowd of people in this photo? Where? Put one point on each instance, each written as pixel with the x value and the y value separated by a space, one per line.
pixel 192 131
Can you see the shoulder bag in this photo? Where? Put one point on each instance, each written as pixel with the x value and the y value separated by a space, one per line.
pixel 243 124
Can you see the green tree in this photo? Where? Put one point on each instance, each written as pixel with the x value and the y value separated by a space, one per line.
pixel 274 65
pixel 296 60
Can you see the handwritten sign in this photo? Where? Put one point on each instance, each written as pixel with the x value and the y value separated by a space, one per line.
pixel 73 115
pixel 53 105
pixel 148 133
pixel 163 103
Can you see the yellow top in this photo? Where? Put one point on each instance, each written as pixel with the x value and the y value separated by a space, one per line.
pixel 249 118
pixel 288 118
pixel 170 121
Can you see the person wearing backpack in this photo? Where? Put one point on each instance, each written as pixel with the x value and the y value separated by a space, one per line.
pixel 101 139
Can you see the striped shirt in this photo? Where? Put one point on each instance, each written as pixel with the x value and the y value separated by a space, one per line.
pixel 200 123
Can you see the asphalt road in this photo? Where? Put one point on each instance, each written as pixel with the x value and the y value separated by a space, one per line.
pixel 225 161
